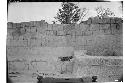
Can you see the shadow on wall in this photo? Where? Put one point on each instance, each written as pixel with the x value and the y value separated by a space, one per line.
pixel 9 80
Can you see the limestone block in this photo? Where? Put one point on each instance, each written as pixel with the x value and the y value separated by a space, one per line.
pixel 50 27
pixel 10 31
pixel 9 37
pixel 98 51
pixel 79 47
pixel 118 20
pixel 69 33
pixel 61 42
pixel 95 20
pixel 21 43
pixel 87 33
pixel 114 29
pixel 70 41
pixel 89 21
pixel 39 23
pixel 18 65
pixel 43 27
pixel 42 22
pixel 15 25
pixel 27 29
pixel 69 27
pixel 25 24
pixel 66 67
pixel 34 35
pixel 50 52
pixel 81 40
pixel 83 27
pixel 57 41
pixel 9 25
pixel 32 23
pixel 104 26
pixel 26 36
pixel 114 62
pixel 41 66
pixel 9 51
pixel 33 29
pixel 94 27
pixel 35 43
pixel 41 30
pixel 49 32
pixel 22 31
pixel 90 41
pixel 112 20
pixel 113 77
pixel 35 23
pixel 57 27
pixel 105 29
pixel 78 32
pixel 87 47
pixel 11 67
pixel 98 32
pixel 60 33
pixel 100 61
pixel 105 20
pixel 119 28
pixel 77 26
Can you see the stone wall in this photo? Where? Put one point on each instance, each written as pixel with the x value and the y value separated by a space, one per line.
pixel 35 46
pixel 94 35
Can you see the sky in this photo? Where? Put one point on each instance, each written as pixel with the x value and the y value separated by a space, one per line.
pixel 36 11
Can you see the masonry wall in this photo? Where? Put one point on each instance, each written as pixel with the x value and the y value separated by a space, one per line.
pixel 37 44
pixel 96 35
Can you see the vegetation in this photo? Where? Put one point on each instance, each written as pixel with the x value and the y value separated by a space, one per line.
pixel 104 12
pixel 70 13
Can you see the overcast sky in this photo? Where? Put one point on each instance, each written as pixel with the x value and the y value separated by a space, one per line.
pixel 24 11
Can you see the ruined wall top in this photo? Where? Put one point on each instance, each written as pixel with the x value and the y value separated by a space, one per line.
pixel 91 20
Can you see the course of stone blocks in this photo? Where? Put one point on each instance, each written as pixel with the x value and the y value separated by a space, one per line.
pixel 35 47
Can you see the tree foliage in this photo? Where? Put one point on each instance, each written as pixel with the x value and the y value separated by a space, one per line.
pixel 69 13
pixel 104 12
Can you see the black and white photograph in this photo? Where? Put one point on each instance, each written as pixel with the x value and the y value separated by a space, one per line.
pixel 64 42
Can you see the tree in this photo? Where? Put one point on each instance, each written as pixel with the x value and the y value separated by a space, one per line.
pixel 104 12
pixel 70 13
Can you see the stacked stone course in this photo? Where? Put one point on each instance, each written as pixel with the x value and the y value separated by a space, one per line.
pixel 42 44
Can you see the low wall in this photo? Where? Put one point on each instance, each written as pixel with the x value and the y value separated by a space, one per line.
pixel 106 68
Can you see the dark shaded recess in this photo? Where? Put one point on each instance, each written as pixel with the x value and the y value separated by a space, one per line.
pixel 94 78
pixel 39 78
pixel 120 79
pixel 8 80
pixel 66 58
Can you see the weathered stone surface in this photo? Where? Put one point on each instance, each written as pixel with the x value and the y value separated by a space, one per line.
pixel 19 43
pixel 49 32
pixel 57 27
pixel 118 20
pixel 40 44
pixel 60 33
pixel 97 20
pixel 94 27
pixel 9 25
pixel 50 27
